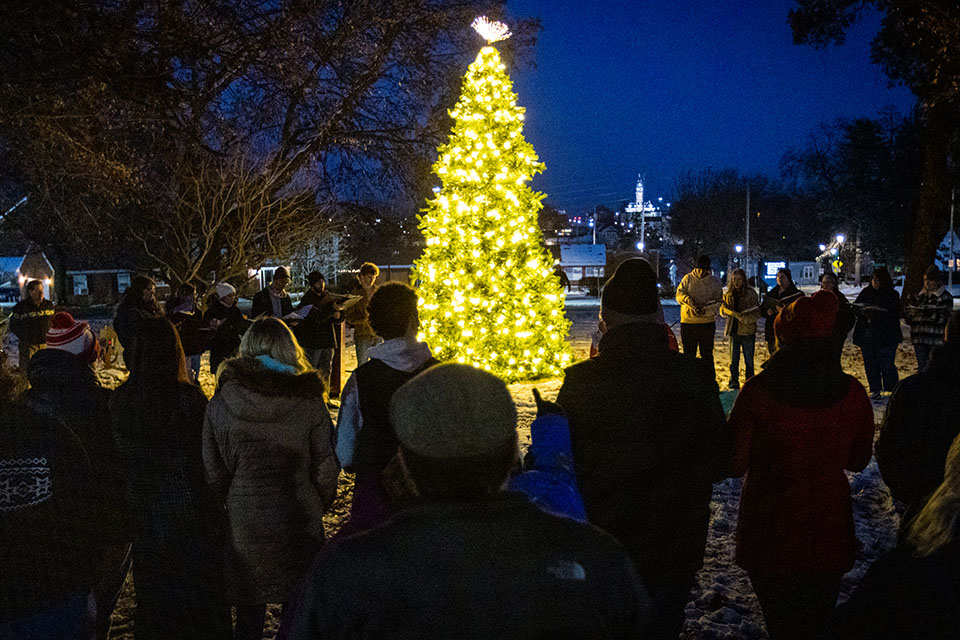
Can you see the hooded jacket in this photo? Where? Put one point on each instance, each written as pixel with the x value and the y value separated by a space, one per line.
pixel 918 427
pixel 405 355
pixel 699 288
pixel 647 431
pixel 268 455
pixel 796 427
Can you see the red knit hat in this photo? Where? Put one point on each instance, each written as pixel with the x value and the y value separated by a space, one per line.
pixel 812 317
pixel 67 334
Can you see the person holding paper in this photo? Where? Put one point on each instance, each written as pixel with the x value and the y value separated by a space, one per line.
pixel 927 313
pixel 700 295
pixel 776 299
pixel 316 334
pixel 273 300
pixel 878 332
pixel 741 306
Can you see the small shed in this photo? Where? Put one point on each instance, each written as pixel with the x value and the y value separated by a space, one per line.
pixel 16 271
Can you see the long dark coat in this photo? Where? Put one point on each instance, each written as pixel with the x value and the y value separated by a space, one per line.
pixel 647 430
pixel 179 529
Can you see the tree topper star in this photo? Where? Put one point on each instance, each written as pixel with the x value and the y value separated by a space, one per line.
pixel 491 31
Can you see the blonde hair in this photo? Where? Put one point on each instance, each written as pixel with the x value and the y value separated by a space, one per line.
pixel 272 337
pixel 939 521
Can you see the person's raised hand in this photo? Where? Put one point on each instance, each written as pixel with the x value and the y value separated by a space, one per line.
pixel 545 407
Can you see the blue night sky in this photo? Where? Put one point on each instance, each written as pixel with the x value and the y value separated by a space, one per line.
pixel 660 86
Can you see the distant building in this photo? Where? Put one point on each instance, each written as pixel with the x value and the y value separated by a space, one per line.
pixel 16 270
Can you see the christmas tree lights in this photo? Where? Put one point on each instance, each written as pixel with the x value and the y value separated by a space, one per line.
pixel 488 295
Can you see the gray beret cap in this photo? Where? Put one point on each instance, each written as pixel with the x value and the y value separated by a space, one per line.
pixel 453 411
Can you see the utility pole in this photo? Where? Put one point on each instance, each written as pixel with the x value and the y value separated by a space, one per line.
pixel 746 244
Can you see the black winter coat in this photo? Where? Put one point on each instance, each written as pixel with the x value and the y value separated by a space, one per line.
pixel 179 526
pixel 648 436
pixel 771 300
pixel 67 390
pixel 876 328
pixel 228 333
pixel 48 525
pixel 30 322
pixel 316 331
pixel 262 305
pixel 126 322
pixel 918 427
pixel 494 568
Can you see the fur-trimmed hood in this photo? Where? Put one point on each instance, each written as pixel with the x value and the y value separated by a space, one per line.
pixel 253 392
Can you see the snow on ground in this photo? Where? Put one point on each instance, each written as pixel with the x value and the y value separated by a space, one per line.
pixel 723 605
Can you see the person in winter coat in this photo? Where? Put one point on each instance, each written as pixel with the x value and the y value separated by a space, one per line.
pixel 183 313
pixel 317 332
pixel 919 424
pixel 912 592
pixel 878 331
pixel 741 305
pixel 797 426
pixel 356 316
pixel 65 388
pixel 228 324
pixel 774 301
pixel 927 313
pixel 548 479
pixel 48 524
pixel 845 315
pixel 647 430
pixel 700 295
pixel 179 528
pixel 273 300
pixel 469 560
pixel 366 443
pixel 138 301
pixel 268 452
pixel 30 320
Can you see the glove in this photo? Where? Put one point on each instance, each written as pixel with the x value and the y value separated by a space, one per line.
pixel 545 407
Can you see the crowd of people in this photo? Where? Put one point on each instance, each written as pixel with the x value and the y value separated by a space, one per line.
pixel 598 531
pixel 874 318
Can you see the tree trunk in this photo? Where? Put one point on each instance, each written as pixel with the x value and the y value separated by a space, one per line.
pixel 931 222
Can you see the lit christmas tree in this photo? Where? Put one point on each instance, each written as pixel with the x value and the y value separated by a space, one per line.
pixel 488 295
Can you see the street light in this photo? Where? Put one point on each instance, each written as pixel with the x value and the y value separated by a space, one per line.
pixel 640 246
pixel 823 247
pixel 841 238
pixel 738 248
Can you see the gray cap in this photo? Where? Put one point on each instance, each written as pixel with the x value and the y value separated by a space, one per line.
pixel 453 411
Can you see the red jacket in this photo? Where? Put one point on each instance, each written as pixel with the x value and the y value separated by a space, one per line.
pixel 795 430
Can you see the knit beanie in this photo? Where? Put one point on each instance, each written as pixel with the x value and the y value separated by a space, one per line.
pixel 314 277
pixel 66 334
pixel 453 411
pixel 223 290
pixel 632 289
pixel 806 318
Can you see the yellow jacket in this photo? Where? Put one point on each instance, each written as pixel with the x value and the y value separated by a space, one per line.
pixel 699 289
